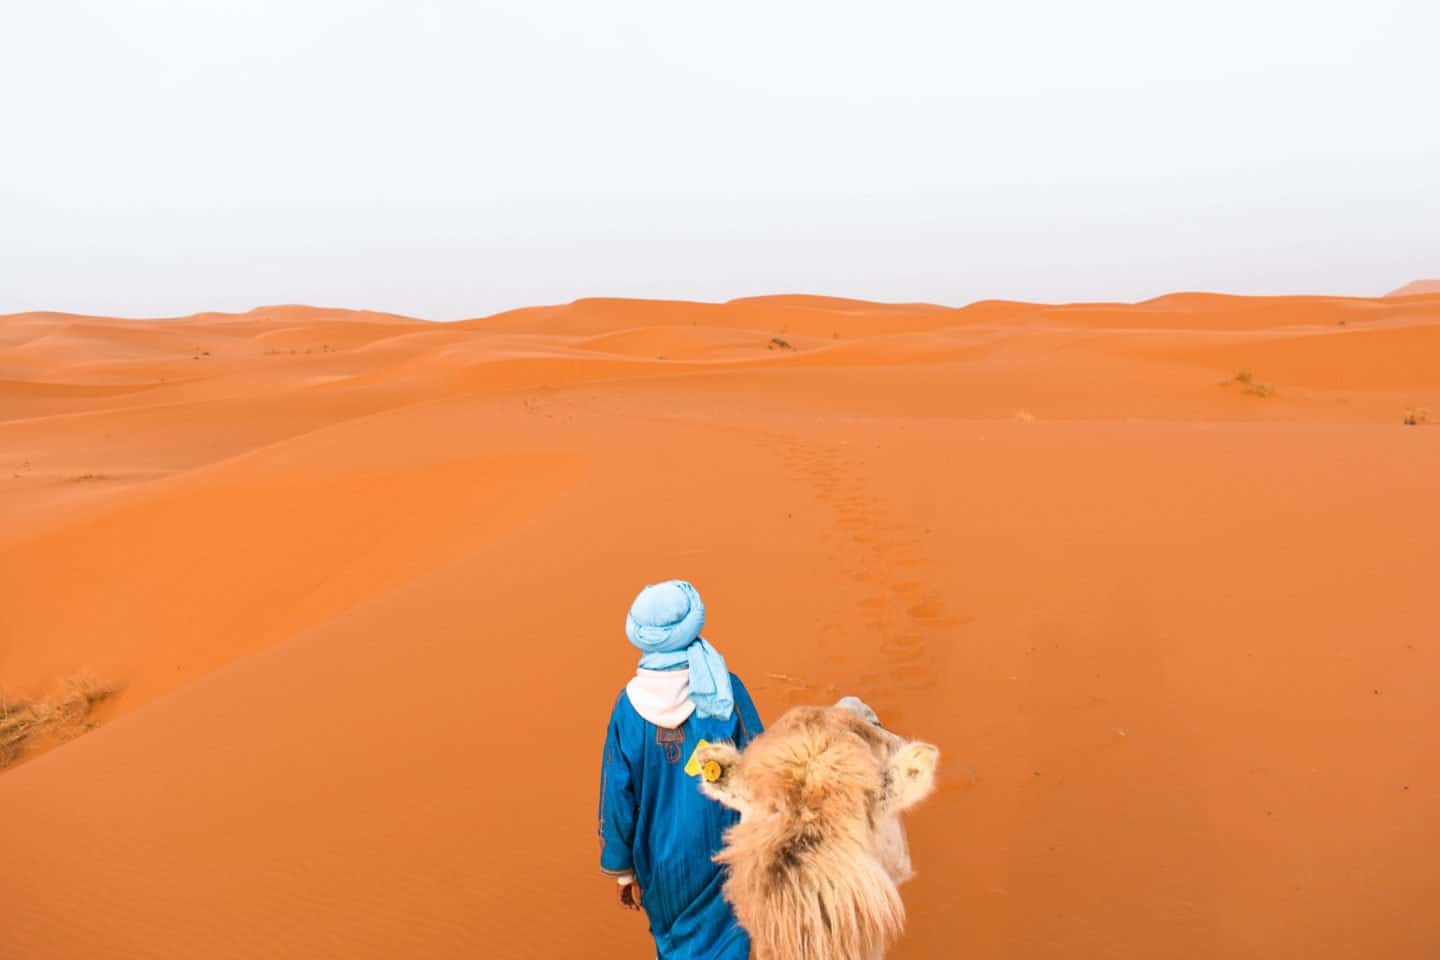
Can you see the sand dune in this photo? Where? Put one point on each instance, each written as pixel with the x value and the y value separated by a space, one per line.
pixel 1158 578
pixel 1416 287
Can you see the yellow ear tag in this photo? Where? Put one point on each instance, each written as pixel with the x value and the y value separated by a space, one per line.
pixel 711 770
pixel 692 766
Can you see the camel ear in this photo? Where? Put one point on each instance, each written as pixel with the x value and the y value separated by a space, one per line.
pixel 719 772
pixel 912 775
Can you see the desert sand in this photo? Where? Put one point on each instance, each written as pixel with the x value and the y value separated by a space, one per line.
pixel 1162 580
pixel 1417 286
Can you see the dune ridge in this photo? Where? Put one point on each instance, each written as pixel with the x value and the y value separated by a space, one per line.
pixel 1157 577
pixel 1416 287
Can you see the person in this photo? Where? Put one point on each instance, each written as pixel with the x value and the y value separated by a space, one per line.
pixel 658 832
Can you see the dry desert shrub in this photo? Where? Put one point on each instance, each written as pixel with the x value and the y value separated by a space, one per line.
pixel 1416 416
pixel 25 724
pixel 1252 386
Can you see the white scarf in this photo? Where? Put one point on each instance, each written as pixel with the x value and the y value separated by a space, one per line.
pixel 661 696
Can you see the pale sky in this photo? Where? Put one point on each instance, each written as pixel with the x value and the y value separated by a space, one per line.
pixel 455 158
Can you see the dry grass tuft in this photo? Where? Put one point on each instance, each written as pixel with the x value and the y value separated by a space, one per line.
pixel 26 724
pixel 1416 416
pixel 1252 386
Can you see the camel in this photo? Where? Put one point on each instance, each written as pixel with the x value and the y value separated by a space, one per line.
pixel 819 850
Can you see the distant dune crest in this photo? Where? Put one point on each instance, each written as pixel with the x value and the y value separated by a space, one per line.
pixel 1418 286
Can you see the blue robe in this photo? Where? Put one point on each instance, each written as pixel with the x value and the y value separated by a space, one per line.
pixel 655 821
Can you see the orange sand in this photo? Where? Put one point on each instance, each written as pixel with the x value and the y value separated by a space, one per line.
pixel 1417 286
pixel 364 579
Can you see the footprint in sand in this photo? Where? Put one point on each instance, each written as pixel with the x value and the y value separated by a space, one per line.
pixel 871 551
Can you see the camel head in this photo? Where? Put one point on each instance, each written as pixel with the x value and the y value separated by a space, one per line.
pixel 815 859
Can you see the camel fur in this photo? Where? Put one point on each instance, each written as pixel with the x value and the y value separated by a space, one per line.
pixel 819 849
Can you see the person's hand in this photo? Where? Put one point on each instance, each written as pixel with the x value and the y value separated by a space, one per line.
pixel 630 895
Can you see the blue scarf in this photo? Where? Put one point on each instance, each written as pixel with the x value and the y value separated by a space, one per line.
pixel 665 622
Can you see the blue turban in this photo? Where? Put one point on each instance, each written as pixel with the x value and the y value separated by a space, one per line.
pixel 665 622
